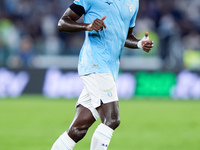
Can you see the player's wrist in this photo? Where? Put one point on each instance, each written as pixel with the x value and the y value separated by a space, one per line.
pixel 87 27
pixel 139 44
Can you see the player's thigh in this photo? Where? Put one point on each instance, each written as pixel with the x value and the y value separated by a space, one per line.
pixel 109 114
pixel 83 118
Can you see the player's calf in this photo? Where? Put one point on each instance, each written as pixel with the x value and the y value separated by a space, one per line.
pixel 101 137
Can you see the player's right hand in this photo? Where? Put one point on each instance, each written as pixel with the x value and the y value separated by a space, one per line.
pixel 97 25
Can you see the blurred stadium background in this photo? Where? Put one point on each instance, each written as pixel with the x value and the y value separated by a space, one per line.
pixel 35 55
pixel 39 63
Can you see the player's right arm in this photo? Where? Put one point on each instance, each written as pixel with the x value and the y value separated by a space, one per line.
pixel 68 22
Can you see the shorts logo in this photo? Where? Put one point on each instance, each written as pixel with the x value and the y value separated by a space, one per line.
pixel 110 94
pixel 130 7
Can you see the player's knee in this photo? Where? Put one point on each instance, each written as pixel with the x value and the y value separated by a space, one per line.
pixel 113 123
pixel 78 132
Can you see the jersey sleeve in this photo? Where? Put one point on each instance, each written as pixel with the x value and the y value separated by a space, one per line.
pixel 84 3
pixel 132 22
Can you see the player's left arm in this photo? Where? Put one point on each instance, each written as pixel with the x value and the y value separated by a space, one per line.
pixel 132 42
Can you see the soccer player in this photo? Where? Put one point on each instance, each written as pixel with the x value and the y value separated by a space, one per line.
pixel 108 25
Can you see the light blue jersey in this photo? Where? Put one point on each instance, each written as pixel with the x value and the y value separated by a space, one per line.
pixel 101 50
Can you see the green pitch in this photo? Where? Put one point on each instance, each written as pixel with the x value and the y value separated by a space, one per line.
pixel 34 123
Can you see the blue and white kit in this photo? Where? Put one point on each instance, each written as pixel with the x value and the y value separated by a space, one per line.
pixel 101 50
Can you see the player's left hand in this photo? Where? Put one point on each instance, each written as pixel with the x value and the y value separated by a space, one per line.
pixel 145 44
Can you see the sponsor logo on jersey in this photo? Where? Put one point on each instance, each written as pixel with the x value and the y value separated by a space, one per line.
pixel 95 66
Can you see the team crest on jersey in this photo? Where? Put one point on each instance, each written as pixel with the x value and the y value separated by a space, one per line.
pixel 130 7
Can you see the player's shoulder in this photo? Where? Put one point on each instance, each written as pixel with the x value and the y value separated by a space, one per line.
pixel 136 1
pixel 82 1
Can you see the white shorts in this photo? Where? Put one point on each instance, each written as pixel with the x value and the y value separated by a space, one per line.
pixel 100 88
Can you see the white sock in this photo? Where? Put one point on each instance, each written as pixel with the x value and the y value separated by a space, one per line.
pixel 64 142
pixel 101 137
